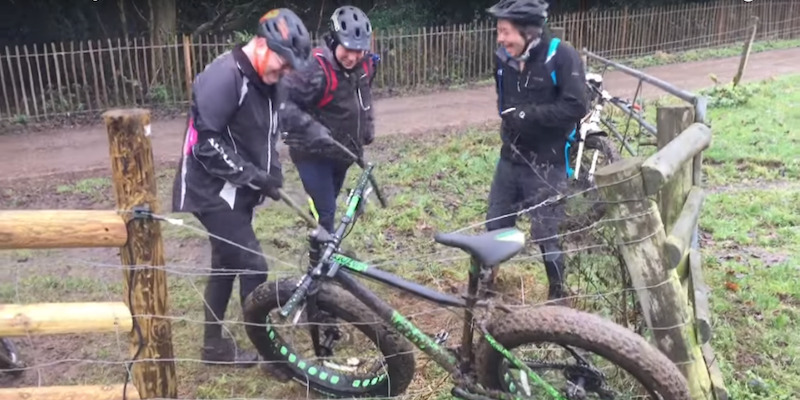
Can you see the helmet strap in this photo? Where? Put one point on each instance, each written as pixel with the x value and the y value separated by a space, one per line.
pixel 261 61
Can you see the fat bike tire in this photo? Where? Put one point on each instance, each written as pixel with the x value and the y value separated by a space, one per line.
pixel 392 380
pixel 569 327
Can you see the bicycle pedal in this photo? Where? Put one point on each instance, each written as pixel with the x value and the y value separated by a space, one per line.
pixel 441 337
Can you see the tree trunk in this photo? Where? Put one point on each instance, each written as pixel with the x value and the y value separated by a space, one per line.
pixel 123 19
pixel 163 28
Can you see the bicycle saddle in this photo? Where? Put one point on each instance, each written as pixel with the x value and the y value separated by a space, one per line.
pixel 490 248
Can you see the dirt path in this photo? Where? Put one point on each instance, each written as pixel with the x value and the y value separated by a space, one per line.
pixel 36 154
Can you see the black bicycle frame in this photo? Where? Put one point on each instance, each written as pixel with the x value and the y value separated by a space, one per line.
pixel 329 263
pixel 423 341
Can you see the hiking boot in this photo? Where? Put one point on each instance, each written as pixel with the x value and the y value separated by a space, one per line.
pixel 223 351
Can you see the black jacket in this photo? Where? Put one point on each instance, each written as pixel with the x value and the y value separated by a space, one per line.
pixel 347 112
pixel 231 133
pixel 551 111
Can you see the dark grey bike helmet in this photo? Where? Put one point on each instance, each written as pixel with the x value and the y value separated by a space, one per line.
pixel 286 35
pixel 351 28
pixel 521 12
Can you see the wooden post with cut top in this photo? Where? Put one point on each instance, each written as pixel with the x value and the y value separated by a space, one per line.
pixel 748 45
pixel 640 237
pixel 145 289
pixel 671 121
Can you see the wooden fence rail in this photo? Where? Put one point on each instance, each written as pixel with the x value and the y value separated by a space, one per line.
pixel 54 79
pixel 140 314
pixel 656 205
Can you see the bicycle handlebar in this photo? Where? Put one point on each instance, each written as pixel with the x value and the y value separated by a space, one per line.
pixel 360 162
pixel 310 221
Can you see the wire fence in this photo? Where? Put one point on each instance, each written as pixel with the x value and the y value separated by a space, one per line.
pixel 597 282
pixel 62 79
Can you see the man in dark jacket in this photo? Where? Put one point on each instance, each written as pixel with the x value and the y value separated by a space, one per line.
pixel 230 163
pixel 334 90
pixel 541 99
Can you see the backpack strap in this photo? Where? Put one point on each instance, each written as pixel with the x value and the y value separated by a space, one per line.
pixel 371 66
pixel 331 82
pixel 499 80
pixel 550 53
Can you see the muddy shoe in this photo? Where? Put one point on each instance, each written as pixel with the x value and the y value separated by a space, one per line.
pixel 223 351
pixel 273 371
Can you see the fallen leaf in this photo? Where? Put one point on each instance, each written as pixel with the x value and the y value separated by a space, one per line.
pixel 731 286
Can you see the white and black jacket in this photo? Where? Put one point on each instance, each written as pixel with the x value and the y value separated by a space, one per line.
pixel 231 136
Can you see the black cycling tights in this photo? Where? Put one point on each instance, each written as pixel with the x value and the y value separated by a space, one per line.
pixel 229 261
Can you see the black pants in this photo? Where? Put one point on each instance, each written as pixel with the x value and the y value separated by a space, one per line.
pixel 229 261
pixel 518 186
pixel 323 180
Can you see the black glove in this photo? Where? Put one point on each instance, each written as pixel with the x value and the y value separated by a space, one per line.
pixel 314 138
pixel 514 118
pixel 268 184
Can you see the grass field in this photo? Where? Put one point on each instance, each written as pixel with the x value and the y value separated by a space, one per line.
pixel 661 58
pixel 439 182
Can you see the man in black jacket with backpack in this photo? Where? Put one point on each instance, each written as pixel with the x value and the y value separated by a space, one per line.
pixel 230 163
pixel 541 99
pixel 334 89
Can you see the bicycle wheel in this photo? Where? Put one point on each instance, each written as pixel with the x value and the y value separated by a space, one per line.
pixel 389 377
pixel 564 326
pixel 588 208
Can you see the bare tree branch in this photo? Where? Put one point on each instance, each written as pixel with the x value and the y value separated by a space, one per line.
pixel 214 23
pixel 232 17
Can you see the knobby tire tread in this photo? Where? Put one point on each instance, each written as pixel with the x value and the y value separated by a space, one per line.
pixel 397 351
pixel 566 326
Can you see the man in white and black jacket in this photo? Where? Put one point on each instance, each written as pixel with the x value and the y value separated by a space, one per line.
pixel 230 161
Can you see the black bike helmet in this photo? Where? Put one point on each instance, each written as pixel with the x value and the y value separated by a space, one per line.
pixel 286 35
pixel 521 12
pixel 351 28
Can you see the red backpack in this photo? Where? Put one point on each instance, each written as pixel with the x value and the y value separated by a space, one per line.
pixel 331 82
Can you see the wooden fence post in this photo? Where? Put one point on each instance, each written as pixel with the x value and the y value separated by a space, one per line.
pixel 187 65
pixel 670 122
pixel 748 45
pixel 641 238
pixel 145 288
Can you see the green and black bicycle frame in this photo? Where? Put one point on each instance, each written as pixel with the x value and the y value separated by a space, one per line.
pixel 327 263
